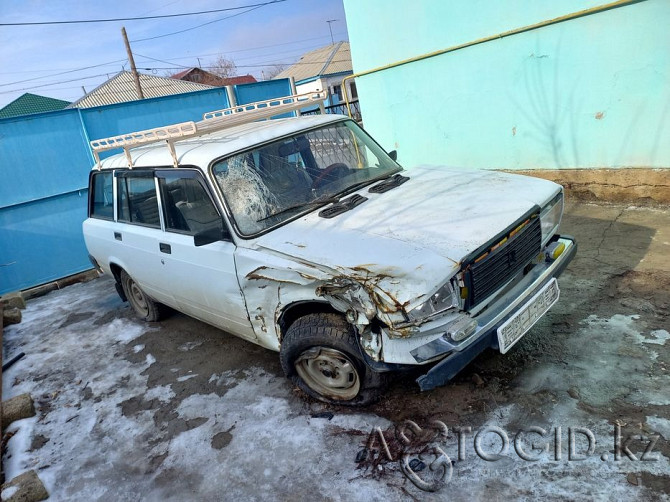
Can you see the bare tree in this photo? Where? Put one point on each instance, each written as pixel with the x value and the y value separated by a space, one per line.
pixel 222 67
pixel 270 72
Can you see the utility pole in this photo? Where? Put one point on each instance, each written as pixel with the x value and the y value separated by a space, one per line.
pixel 332 42
pixel 133 70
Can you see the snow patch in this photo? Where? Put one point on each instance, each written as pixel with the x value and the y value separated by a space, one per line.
pixel 185 347
pixel 660 425
pixel 163 393
pixel 8 492
pixel 124 331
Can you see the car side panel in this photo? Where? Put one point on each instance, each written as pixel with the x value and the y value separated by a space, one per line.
pixel 135 248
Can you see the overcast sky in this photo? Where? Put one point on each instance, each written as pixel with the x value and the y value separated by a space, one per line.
pixel 87 54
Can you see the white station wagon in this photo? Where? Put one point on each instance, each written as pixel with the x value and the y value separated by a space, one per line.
pixel 304 236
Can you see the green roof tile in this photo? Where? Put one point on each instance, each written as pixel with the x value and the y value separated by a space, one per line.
pixel 31 103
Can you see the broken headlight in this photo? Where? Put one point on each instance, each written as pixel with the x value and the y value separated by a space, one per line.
pixel 443 299
pixel 550 217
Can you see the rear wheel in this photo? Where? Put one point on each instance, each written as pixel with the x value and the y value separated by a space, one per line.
pixel 320 355
pixel 145 308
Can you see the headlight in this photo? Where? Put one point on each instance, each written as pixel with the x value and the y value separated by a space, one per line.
pixel 443 299
pixel 550 217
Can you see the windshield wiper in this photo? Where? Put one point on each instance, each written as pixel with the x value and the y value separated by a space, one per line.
pixel 388 184
pixel 361 184
pixel 319 200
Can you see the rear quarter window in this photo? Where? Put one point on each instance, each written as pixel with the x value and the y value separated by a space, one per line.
pixel 138 202
pixel 102 196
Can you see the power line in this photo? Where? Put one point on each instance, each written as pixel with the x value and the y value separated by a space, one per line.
pixel 162 61
pixel 63 72
pixel 175 67
pixel 204 24
pixel 139 18
pixel 53 83
pixel 171 60
pixel 260 65
pixel 290 52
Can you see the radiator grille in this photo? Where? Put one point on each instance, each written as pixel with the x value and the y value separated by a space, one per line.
pixel 489 271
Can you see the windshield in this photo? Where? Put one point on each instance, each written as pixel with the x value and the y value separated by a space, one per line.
pixel 274 182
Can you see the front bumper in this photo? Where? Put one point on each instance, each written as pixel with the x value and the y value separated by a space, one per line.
pixel 455 356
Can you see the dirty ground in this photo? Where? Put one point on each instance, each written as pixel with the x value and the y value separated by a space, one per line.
pixel 179 410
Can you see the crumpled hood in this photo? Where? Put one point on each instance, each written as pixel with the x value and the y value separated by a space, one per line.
pixel 409 240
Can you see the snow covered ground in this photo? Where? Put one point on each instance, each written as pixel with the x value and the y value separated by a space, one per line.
pixel 181 411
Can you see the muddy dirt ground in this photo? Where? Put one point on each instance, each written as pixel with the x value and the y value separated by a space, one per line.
pixel 180 410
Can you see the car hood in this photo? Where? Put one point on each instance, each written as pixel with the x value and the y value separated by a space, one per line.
pixel 413 237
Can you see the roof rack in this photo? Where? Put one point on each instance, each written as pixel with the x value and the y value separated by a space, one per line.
pixel 211 121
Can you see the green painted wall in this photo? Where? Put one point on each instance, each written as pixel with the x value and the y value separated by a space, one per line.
pixel 588 92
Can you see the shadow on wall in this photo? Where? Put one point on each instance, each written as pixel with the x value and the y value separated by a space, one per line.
pixel 555 106
pixel 549 106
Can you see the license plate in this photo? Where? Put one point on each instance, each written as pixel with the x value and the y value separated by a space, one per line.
pixel 516 326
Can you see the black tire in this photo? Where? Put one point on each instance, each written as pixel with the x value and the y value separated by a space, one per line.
pixel 145 307
pixel 320 354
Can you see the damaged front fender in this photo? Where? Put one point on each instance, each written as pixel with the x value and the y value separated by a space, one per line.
pixel 350 298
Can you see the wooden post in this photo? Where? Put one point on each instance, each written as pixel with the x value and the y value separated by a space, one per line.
pixel 131 60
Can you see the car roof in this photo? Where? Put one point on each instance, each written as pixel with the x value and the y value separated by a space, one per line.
pixel 201 150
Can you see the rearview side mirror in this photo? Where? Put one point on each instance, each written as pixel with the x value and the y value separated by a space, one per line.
pixel 393 154
pixel 210 235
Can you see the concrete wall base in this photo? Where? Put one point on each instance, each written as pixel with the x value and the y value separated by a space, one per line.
pixel 43 289
pixel 640 186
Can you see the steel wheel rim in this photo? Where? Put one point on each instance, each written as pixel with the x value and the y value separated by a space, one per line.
pixel 329 372
pixel 137 298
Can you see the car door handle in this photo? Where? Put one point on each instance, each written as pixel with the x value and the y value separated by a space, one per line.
pixel 118 236
pixel 165 248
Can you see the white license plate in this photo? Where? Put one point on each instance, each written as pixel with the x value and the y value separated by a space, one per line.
pixel 516 326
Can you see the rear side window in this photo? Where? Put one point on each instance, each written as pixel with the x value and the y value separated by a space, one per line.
pixel 102 196
pixel 187 206
pixel 137 201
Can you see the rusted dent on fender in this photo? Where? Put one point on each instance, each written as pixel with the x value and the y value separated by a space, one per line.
pixel 351 298
pixel 259 317
pixel 264 273
pixel 355 291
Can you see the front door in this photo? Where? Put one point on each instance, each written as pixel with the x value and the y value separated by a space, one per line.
pixel 202 279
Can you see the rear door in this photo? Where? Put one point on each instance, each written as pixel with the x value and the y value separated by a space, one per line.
pixel 138 231
pixel 201 279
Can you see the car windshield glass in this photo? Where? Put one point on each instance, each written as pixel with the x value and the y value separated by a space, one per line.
pixel 269 184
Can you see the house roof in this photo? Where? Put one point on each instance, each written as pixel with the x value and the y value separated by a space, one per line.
pixel 214 79
pixel 121 88
pixel 239 79
pixel 31 103
pixel 182 74
pixel 321 62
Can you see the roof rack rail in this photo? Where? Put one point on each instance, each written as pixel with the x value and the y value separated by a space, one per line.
pixel 211 121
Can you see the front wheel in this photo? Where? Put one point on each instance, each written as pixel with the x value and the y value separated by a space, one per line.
pixel 320 355
pixel 145 307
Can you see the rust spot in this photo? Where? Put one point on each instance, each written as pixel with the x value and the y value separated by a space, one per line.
pixel 600 115
pixel 254 273
pixel 260 318
pixel 514 131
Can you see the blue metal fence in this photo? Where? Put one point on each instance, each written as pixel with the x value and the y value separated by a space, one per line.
pixel 44 164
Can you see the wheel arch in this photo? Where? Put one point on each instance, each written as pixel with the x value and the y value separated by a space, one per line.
pixel 294 311
pixel 116 270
